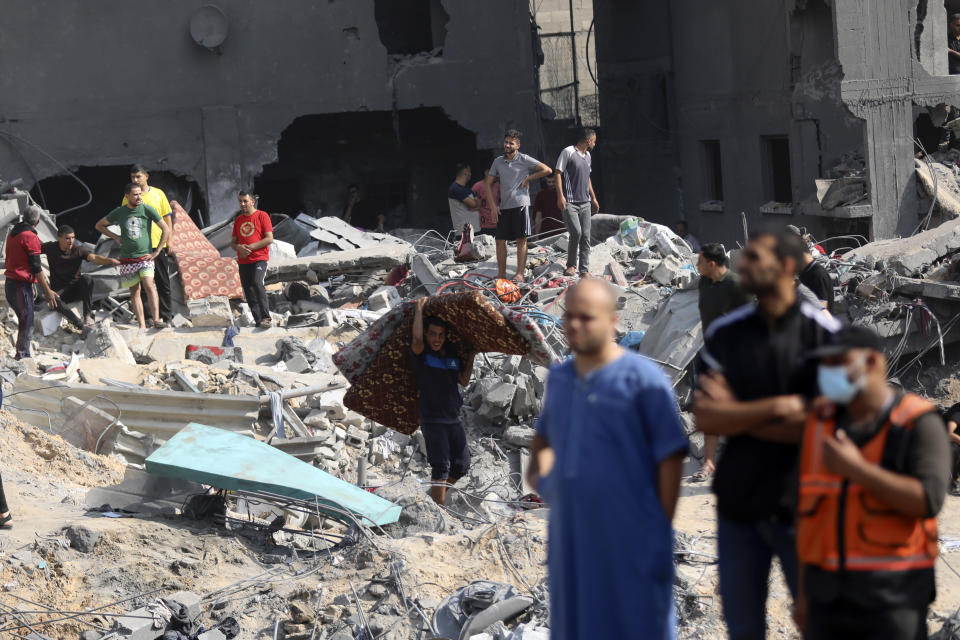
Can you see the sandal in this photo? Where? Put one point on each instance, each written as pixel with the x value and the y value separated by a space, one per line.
pixel 266 323
pixel 5 522
pixel 159 324
pixel 571 271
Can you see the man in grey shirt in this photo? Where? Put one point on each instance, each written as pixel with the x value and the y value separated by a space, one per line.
pixel 576 199
pixel 516 171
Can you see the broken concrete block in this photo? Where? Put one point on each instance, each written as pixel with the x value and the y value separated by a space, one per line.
pixel 496 404
pixel 298 364
pixel 616 273
pixel 47 321
pixel 211 355
pixel 643 266
pixel 317 420
pixel 180 322
pixel 667 271
pixel 386 297
pixel 213 311
pixel 356 437
pixel 213 634
pixel 246 318
pixel 426 273
pixel 104 341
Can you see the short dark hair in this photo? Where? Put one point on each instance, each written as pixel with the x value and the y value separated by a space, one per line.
pixel 244 192
pixel 353 185
pixel 954 16
pixel 714 252
pixel 682 222
pixel 65 230
pixel 512 133
pixel 786 244
pixel 434 321
pixel 586 133
pixel 130 187
pixel 461 167
pixel 138 168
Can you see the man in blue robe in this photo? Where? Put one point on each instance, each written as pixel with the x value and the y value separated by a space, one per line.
pixel 607 459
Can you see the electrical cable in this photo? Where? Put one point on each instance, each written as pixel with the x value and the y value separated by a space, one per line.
pixel 61 165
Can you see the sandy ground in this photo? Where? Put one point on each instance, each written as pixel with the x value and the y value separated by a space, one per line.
pixel 696 517
pixel 46 480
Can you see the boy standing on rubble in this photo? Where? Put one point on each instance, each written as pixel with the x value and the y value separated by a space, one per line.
pixel 512 213
pixel 438 371
pixel 607 459
pixel 874 467
pixel 136 256
pixel 251 239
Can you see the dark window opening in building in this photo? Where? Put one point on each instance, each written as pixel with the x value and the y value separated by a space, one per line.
pixel 59 193
pixel 712 170
pixel 777 185
pixel 411 26
pixel 404 168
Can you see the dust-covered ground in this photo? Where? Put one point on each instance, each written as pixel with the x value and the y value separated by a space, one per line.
pixel 302 587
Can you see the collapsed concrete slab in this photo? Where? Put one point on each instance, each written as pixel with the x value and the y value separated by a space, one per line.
pixel 910 256
pixel 325 265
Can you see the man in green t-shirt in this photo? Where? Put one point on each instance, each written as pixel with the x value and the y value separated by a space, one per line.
pixel 136 254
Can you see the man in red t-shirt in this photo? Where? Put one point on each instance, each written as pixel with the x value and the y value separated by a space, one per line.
pixel 548 218
pixel 252 236
pixel 23 268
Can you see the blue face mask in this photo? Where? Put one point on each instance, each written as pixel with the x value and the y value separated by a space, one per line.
pixel 835 385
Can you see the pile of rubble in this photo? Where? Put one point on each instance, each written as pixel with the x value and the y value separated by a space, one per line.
pixel 125 393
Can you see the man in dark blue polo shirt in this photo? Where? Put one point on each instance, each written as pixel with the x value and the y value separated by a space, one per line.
pixel 439 369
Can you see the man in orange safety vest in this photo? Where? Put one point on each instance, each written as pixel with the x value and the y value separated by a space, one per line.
pixel 874 468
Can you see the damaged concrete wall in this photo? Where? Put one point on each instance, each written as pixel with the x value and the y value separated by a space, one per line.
pixel 641 175
pixel 831 79
pixel 90 89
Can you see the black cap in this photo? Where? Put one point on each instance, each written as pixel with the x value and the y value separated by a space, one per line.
pixel 848 337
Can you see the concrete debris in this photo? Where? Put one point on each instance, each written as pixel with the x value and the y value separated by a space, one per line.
pixel 128 393
pixel 213 311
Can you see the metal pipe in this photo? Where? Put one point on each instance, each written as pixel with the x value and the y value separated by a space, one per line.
pixel 306 391
pixel 573 56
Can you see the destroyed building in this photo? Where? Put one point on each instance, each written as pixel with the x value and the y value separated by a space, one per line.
pixel 297 103
pixel 711 110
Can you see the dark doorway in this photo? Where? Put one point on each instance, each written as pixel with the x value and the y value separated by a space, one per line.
pixel 404 162
pixel 60 193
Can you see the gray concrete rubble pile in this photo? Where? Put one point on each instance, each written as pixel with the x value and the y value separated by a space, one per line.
pixel 118 390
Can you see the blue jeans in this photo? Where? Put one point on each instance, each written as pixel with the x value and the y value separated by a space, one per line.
pixel 20 298
pixel 746 550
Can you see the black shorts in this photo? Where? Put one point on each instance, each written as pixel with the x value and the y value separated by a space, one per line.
pixel 447 450
pixel 513 223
